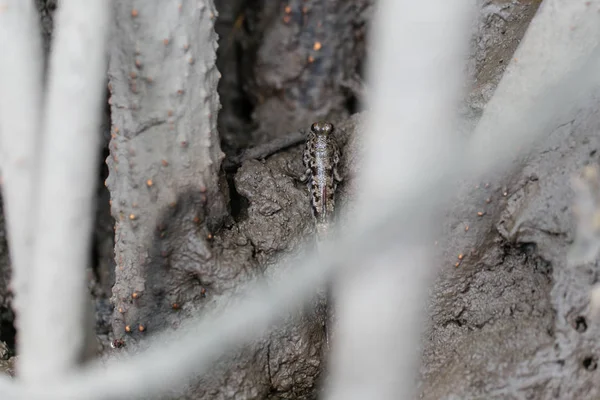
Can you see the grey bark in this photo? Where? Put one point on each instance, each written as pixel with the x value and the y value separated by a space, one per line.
pixel 165 154
pixel 297 56
pixel 164 157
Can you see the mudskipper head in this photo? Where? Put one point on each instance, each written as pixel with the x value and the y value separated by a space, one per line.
pixel 321 128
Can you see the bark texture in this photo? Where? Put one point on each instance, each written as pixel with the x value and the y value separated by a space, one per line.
pixel 299 57
pixel 165 156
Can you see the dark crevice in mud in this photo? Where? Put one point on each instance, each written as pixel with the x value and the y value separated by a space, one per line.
pixel 528 249
pixel 95 257
pixel 352 105
pixel 104 222
pixel 357 90
pixel 102 263
pixel 590 363
pixel 237 203
pixel 96 253
pixel 580 324
pixel 243 105
pixel 269 365
pixel 8 332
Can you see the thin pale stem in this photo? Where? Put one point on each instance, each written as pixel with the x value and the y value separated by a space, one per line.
pixel 410 138
pixel 54 329
pixel 21 75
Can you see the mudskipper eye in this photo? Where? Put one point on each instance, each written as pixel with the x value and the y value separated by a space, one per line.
pixel 322 128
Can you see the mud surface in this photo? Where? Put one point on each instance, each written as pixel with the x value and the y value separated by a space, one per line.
pixel 511 321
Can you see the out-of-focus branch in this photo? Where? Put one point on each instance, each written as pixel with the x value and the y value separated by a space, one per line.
pixel 555 66
pixel 53 327
pixel 410 137
pixel 21 78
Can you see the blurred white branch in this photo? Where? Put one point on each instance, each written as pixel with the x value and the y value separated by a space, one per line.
pixel 21 92
pixel 53 328
pixel 411 138
pixel 553 69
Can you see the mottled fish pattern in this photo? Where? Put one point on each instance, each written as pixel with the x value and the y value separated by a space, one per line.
pixel 321 157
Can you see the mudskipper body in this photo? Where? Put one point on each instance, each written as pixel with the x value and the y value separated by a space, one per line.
pixel 321 157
